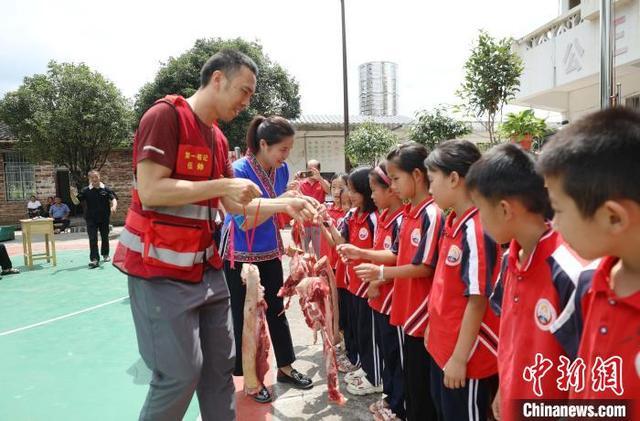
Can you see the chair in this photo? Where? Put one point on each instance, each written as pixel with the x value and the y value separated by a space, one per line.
pixel 38 226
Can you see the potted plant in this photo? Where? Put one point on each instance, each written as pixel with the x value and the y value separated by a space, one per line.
pixel 523 127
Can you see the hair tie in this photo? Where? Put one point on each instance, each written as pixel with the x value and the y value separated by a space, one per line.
pixel 382 175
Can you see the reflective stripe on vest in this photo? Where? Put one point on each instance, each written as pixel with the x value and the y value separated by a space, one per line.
pixel 185 211
pixel 134 243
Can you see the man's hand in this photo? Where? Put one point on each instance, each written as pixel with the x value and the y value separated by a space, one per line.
pixel 113 209
pixel 348 251
pixel 368 272
pixel 455 373
pixel 243 191
pixel 301 209
pixel 294 185
pixel 315 174
pixel 290 193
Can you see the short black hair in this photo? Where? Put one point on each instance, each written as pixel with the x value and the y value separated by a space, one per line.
pixel 359 179
pixel 597 158
pixel 508 171
pixel 453 155
pixel 228 62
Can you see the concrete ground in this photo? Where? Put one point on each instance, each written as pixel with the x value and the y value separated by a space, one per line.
pixel 123 374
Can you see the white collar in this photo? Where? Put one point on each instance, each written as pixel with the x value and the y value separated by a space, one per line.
pixel 101 186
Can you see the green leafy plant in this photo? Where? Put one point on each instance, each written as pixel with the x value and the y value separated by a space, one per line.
pixel 70 116
pixel 492 78
pixel 518 125
pixel 432 127
pixel 276 91
pixel 369 143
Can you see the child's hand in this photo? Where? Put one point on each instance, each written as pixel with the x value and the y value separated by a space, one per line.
pixel 348 251
pixel 455 373
pixel 368 272
pixel 373 291
pixel 495 406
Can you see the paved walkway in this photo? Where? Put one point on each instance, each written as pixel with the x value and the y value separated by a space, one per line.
pixel 69 348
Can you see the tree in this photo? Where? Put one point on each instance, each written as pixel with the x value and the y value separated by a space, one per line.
pixel 369 142
pixel 276 91
pixel 492 78
pixel 70 116
pixel 433 127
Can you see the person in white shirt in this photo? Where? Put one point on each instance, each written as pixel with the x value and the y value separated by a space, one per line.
pixel 34 207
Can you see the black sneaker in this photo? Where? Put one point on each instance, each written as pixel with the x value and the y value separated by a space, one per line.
pixel 297 379
pixel 94 264
pixel 263 396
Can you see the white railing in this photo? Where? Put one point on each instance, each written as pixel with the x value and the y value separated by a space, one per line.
pixel 552 29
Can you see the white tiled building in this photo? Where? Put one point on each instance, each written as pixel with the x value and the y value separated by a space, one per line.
pixel 562 58
pixel 321 137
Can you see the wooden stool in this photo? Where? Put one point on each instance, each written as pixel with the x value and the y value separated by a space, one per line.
pixel 38 226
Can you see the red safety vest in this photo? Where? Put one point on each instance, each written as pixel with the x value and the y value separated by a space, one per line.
pixel 175 242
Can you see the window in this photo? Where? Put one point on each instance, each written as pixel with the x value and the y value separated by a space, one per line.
pixel 633 102
pixel 19 176
pixel 573 3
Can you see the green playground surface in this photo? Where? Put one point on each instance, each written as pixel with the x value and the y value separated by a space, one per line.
pixel 68 348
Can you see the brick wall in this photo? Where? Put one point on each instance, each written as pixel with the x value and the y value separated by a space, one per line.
pixel 11 211
pixel 116 173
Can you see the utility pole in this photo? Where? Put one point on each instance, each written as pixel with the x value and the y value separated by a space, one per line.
pixel 344 78
pixel 607 46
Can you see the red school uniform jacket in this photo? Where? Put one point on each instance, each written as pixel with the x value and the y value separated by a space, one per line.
pixel 535 305
pixel 467 265
pixel 610 341
pixel 386 234
pixel 358 228
pixel 417 243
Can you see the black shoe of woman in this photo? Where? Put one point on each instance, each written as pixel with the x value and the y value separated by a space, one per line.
pixel 296 379
pixel 263 396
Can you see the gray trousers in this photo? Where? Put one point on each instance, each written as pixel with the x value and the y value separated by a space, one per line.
pixel 185 337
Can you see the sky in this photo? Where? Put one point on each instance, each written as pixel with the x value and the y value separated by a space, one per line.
pixel 127 40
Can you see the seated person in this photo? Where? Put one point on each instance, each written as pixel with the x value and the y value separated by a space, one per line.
pixel 60 214
pixel 47 206
pixel 5 262
pixel 34 207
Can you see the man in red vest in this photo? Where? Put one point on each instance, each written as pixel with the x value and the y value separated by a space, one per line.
pixel 179 297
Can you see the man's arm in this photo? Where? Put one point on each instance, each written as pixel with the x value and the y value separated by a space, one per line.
pixel 157 188
pixel 324 183
pixel 113 200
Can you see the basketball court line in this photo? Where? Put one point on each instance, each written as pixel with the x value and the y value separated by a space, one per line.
pixel 65 316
